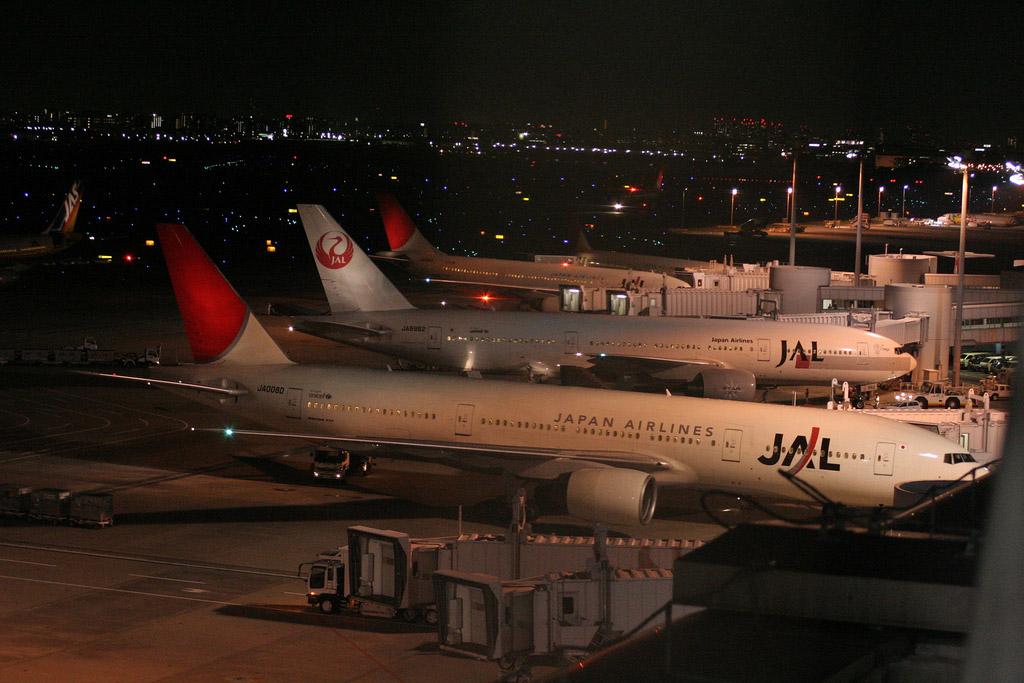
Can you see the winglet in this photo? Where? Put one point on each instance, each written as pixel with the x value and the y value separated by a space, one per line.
pixel 403 236
pixel 219 325
pixel 351 280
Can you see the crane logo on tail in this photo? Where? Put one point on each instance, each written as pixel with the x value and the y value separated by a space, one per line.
pixel 334 250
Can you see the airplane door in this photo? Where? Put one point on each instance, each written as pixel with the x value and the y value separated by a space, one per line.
pixel 433 337
pixel 572 342
pixel 293 404
pixel 885 454
pixel 862 353
pixel 731 445
pixel 764 352
pixel 464 420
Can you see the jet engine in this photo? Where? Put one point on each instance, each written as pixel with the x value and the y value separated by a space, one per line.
pixel 733 385
pixel 612 496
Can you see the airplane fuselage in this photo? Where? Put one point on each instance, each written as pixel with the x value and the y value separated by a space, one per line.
pixel 775 353
pixel 539 276
pixel 703 443
pixel 21 247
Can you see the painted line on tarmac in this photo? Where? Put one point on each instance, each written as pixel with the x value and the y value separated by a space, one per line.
pixel 117 590
pixel 151 560
pixel 165 578
pixel 38 564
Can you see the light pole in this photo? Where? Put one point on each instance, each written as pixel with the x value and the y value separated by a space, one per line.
pixel 789 197
pixel 860 219
pixel 903 211
pixel 958 325
pixel 993 209
pixel 878 211
pixel 682 220
pixel 835 200
pixel 732 206
pixel 792 217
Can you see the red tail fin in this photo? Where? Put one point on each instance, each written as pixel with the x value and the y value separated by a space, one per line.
pixel 218 323
pixel 397 223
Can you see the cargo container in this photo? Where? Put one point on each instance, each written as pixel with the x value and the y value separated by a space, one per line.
pixel 14 500
pixel 49 504
pixel 91 509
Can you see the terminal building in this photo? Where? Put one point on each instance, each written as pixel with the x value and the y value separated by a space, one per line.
pixel 902 297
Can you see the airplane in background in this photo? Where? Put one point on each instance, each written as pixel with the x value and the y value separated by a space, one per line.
pixel 58 235
pixel 719 358
pixel 611 449
pixel 587 255
pixel 408 244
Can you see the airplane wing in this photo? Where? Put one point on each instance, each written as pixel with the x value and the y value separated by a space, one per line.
pixel 334 330
pixel 496 286
pixel 615 364
pixel 418 446
pixel 222 391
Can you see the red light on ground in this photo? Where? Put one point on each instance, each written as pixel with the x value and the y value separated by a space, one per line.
pixel 289 117
pixel 634 189
pixel 485 298
pixel 128 258
pixel 565 264
pixel 700 198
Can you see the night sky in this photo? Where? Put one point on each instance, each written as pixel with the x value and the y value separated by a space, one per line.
pixel 951 68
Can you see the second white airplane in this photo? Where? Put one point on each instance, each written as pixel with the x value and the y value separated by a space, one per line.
pixel 718 358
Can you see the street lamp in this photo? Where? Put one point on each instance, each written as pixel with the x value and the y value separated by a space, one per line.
pixel 732 206
pixel 792 217
pixel 860 218
pixel 903 212
pixel 993 209
pixel 836 202
pixel 789 197
pixel 957 163
pixel 878 211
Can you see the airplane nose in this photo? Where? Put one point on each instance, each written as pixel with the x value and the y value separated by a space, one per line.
pixel 906 363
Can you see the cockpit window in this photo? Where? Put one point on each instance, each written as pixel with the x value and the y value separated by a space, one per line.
pixel 957 458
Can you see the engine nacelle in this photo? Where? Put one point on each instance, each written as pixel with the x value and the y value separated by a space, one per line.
pixel 612 496
pixel 732 385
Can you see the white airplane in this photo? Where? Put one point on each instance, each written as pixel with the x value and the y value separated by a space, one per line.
pixel 620 259
pixel 409 244
pixel 611 448
pixel 57 236
pixel 720 358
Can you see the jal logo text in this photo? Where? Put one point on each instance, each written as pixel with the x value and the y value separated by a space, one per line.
pixel 799 354
pixel 802 450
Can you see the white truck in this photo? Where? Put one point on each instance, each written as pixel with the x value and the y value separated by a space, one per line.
pixel 388 573
pixel 932 395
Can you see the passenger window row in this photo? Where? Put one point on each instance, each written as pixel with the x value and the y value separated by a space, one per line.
pixel 366 410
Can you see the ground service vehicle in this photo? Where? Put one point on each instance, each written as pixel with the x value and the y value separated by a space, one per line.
pixel 335 463
pixel 997 391
pixel 933 395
